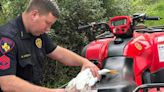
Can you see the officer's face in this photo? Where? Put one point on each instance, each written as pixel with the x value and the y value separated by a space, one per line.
pixel 42 23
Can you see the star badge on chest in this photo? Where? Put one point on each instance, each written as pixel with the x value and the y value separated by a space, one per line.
pixel 38 42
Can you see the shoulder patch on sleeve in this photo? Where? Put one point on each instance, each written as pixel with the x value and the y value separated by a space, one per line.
pixel 6 45
pixel 4 62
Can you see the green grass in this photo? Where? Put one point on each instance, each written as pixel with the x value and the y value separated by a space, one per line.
pixel 156 10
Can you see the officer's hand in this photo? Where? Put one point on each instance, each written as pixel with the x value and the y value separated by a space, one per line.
pixel 94 69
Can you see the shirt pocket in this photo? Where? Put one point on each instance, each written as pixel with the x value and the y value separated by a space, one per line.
pixel 25 60
pixel 25 68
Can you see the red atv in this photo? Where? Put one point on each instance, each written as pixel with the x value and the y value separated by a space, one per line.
pixel 134 50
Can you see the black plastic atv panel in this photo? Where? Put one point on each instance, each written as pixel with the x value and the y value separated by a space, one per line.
pixel 83 53
pixel 117 48
pixel 157 77
pixel 123 81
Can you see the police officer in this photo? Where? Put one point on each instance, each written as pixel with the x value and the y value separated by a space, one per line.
pixel 24 45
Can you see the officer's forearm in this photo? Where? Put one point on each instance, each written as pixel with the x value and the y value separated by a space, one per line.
pixel 12 83
pixel 67 57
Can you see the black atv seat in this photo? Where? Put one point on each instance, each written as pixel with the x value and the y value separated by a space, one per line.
pixel 121 82
pixel 122 86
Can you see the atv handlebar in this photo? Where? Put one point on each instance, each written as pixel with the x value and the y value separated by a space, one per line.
pixel 94 26
pixel 152 18
pixel 141 17
pixel 120 26
pixel 84 27
pixel 136 18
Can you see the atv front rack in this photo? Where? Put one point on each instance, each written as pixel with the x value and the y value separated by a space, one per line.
pixel 147 86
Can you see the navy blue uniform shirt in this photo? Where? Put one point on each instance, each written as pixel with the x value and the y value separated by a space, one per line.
pixel 21 53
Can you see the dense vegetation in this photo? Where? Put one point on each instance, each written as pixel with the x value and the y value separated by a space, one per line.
pixel 73 14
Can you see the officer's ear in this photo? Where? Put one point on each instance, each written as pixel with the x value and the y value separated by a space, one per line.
pixel 34 15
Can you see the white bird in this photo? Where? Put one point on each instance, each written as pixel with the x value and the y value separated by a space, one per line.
pixel 85 79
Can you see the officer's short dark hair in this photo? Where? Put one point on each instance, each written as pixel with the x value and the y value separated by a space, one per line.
pixel 44 7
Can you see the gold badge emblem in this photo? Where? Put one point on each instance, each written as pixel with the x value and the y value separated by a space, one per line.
pixel 138 46
pixel 6 47
pixel 38 42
